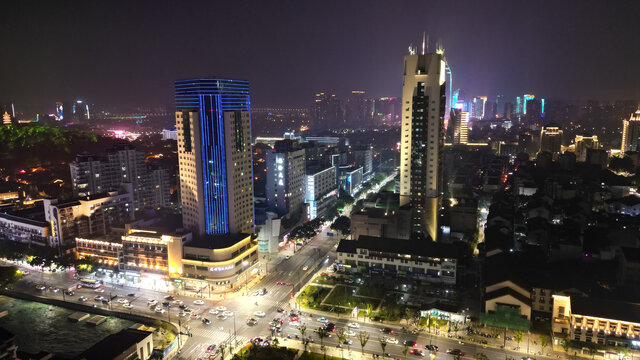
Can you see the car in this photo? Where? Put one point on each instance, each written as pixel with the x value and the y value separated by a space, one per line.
pixel 390 340
pixel 82 298
pixel 251 321
pixel 213 312
pixel 198 302
pixel 354 325
pixel 169 297
pixel 455 352
pixel 263 291
pixel 132 295
pixel 206 321
pixel 259 313
pixel 41 287
pixel 177 302
pixel 211 347
pixel 188 311
pixel 256 293
pixel 194 316
pixel 323 319
pixel 98 298
pixel 409 343
pixel 182 314
pixel 152 302
pixel 527 358
pixel 79 286
pixel 106 301
pixel 431 347
pixel 289 284
pixel 183 306
pixel 288 257
pixel 54 289
pixel 330 327
pixel 387 330
pixel 305 268
pixel 348 342
pixel 221 317
pixel 160 311
pixel 416 352
pixel 227 313
pixel 123 301
pixel 69 293
pixel 280 310
pixel 221 308
pixel 127 306
pixel 99 290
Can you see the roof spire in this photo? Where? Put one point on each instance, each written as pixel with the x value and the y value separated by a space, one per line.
pixel 423 42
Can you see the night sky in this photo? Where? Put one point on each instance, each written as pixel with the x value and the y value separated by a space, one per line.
pixel 123 54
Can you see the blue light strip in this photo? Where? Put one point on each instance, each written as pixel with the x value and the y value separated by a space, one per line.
pixel 211 98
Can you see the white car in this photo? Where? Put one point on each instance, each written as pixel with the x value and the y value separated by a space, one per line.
pixel 391 340
pixel 152 302
pixel 123 301
pixel 354 325
pixel 350 333
pixel 160 311
pixel 305 268
pixel 259 313
pixel 323 320
pixel 227 313
pixel 198 302
pixel 221 308
pixel 213 312
pixel 127 306
pixel 288 257
pixel 99 290
pixel 221 317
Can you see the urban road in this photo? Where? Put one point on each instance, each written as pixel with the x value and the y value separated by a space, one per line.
pixel 316 255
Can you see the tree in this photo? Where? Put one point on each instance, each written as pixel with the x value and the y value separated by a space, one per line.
pixel 322 334
pixel 342 224
pixel 565 345
pixel 303 329
pixel 363 337
pixel 405 350
pixel 544 342
pixel 275 342
pixel 517 336
pixel 369 310
pixel 618 164
pixel 383 345
pixel 222 348
pixel 593 350
pixel 342 338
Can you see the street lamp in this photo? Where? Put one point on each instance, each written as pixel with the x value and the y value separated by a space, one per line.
pixel 246 280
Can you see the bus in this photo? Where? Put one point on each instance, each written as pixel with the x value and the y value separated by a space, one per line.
pixel 90 283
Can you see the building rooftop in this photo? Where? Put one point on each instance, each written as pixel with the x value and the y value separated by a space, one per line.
pixel 25 218
pixel 507 291
pixel 604 308
pixel 425 248
pixel 114 345
pixel 220 241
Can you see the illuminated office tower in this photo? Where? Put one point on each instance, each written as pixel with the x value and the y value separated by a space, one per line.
pixel 422 138
pixel 526 98
pixel 59 111
pixel 460 122
pixel 285 178
pixel 631 133
pixel 551 140
pixel 214 155
pixel 478 107
pixel 518 106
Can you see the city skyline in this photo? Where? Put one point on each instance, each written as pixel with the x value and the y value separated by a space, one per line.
pixel 493 48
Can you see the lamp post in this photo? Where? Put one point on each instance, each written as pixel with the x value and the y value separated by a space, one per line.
pixel 246 278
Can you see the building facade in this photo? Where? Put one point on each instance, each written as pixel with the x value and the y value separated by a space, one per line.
pixel 214 152
pixel 422 138
pixel 24 230
pixel 285 179
pixel 321 190
pixel 631 133
pixel 433 262
pixel 583 143
pixel 90 215
pixel 551 140
pixel 460 123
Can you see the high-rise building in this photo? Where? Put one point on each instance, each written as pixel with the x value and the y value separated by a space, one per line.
pixel 489 110
pixel 214 153
pixel 321 190
pixel 500 105
pixel 422 138
pixel 329 111
pixel 526 98
pixel 551 139
pixel 122 164
pixel 478 107
pixel 631 133
pixel 59 111
pixel 460 122
pixel 285 178
pixel 508 110
pixel 533 110
pixel 358 110
pixel 583 143
pixel 518 106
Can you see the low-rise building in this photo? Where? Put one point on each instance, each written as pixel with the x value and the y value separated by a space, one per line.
pixel 105 250
pixel 605 322
pixel 21 227
pixel 218 261
pixel 431 261
pixel 126 344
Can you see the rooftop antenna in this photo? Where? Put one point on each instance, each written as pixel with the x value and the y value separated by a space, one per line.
pixel 423 41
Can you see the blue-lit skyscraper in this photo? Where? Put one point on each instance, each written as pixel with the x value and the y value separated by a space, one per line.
pixel 213 122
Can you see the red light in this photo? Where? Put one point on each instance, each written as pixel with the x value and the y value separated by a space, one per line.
pixel 22 171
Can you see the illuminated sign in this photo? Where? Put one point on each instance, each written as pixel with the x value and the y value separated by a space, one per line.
pixel 221 268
